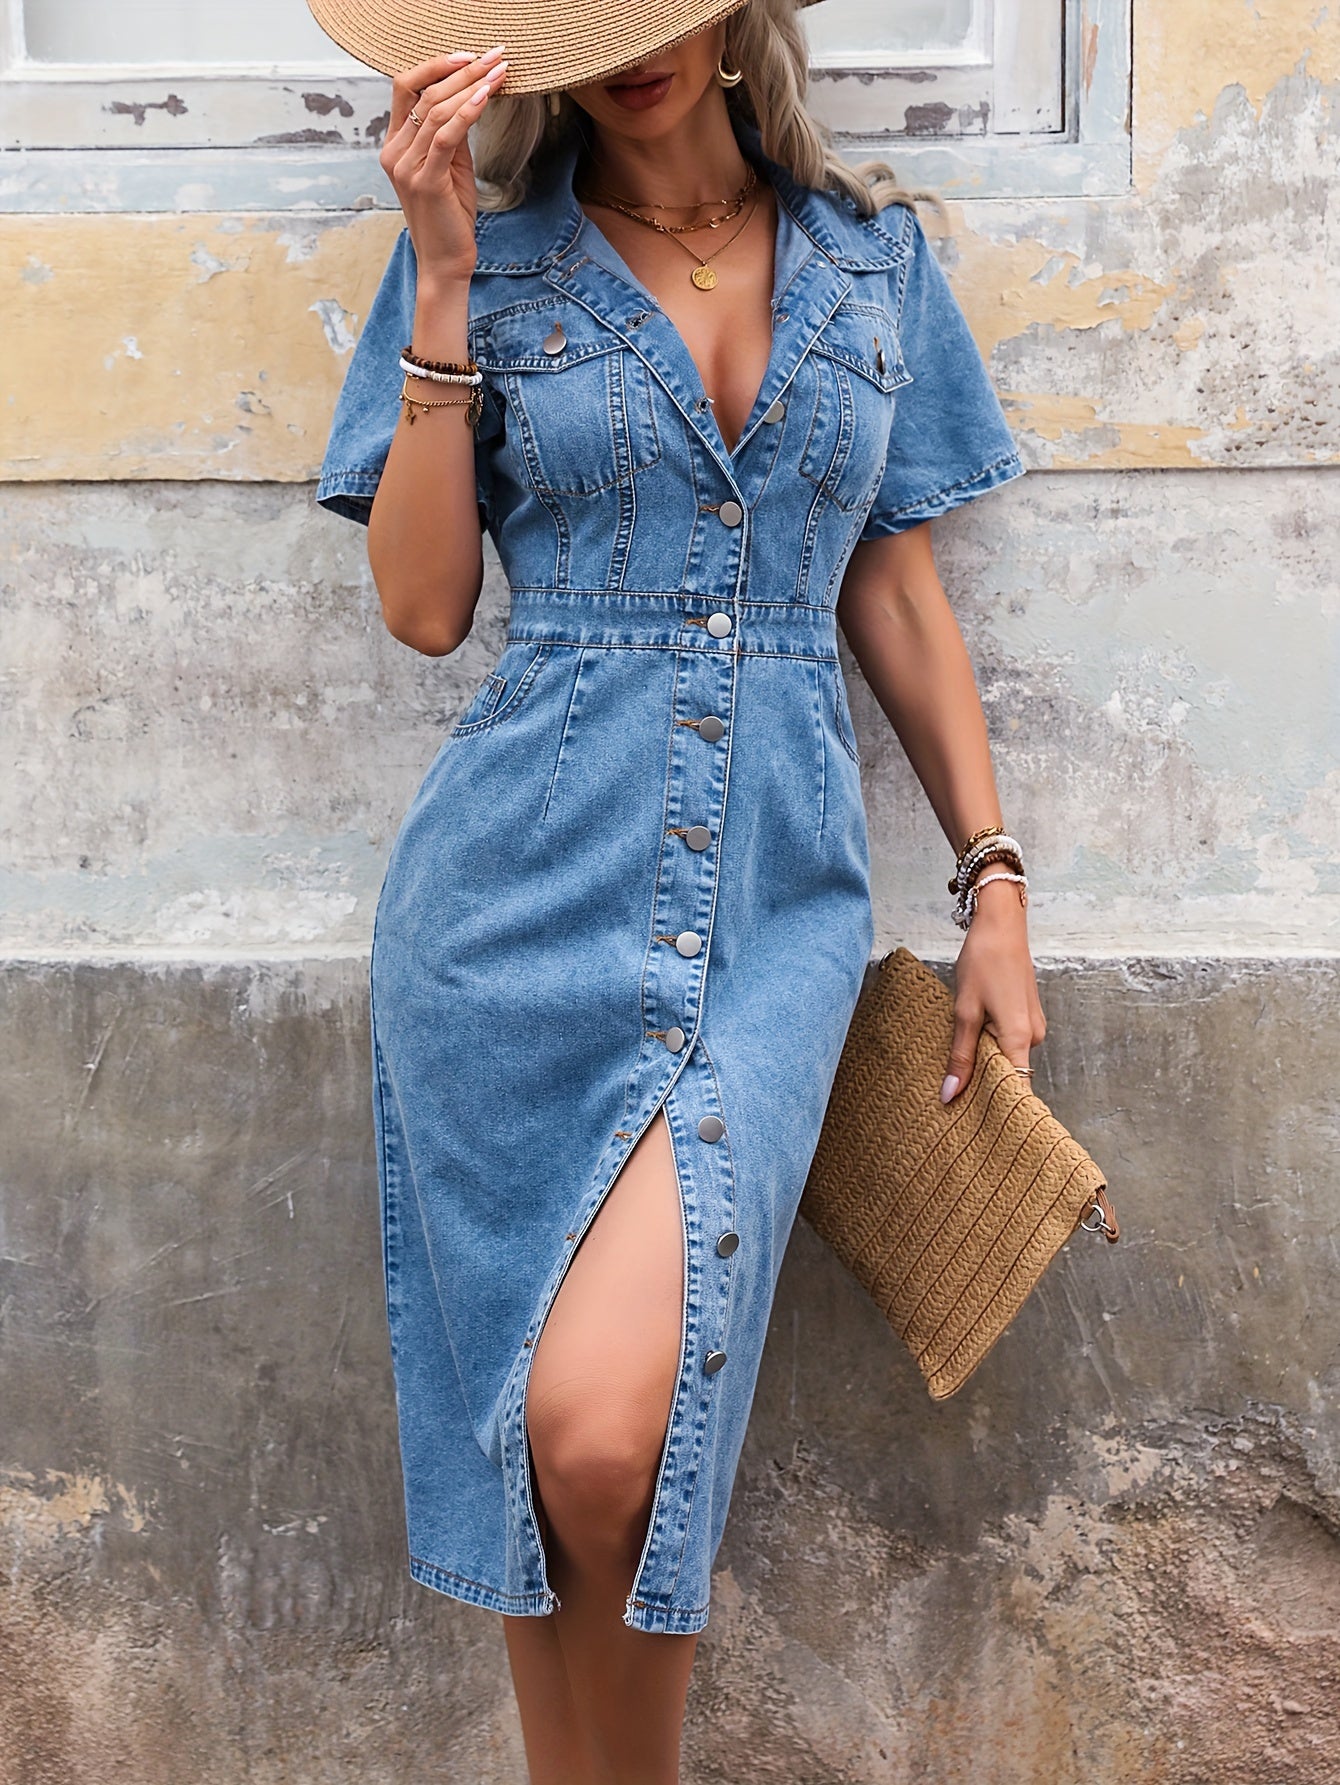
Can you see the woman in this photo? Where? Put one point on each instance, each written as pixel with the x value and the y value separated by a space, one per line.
pixel 625 922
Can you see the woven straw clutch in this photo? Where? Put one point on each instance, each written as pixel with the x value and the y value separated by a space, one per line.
pixel 947 1214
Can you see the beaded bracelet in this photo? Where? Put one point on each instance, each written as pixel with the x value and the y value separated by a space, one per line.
pixel 417 371
pixel 964 901
pixel 966 908
pixel 998 842
pixel 987 830
pixel 1004 852
pixel 439 365
pixel 990 848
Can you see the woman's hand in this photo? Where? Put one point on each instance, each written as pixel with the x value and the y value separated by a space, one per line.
pixel 994 986
pixel 429 163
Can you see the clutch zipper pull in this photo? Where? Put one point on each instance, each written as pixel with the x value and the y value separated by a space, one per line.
pixel 1106 1223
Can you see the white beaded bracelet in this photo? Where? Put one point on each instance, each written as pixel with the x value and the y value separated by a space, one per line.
pixel 441 377
pixel 986 850
pixel 965 908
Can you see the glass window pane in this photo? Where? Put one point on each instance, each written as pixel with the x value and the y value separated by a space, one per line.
pixel 176 32
pixel 865 31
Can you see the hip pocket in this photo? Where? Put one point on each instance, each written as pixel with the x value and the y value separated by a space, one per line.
pixel 502 693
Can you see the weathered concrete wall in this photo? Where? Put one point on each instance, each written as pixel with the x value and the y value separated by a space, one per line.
pixel 1116 1556
pixel 1113 1557
pixel 217 737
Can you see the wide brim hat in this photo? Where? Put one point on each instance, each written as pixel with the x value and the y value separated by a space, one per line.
pixel 550 44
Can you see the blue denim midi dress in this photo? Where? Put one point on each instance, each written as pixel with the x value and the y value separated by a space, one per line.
pixel 636 874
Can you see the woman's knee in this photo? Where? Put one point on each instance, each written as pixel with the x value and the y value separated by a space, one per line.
pixel 596 1459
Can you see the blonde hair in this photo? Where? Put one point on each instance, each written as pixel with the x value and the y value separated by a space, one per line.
pixel 764 40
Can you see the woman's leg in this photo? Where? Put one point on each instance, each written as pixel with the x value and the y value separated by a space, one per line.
pixel 559 1748
pixel 601 1385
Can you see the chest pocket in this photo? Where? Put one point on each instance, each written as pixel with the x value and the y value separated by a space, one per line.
pixel 856 366
pixel 581 413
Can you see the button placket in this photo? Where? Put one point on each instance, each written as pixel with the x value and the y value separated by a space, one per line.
pixel 686 877
pixel 708 1195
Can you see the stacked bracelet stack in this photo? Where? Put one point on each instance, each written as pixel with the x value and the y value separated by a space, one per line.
pixel 432 372
pixel 991 844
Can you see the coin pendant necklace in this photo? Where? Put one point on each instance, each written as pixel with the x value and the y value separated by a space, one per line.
pixel 703 275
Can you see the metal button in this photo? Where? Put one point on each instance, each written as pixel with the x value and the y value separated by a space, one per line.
pixel 555 341
pixel 697 836
pixel 711 729
pixel 727 1244
pixel 711 1128
pixel 718 625
pixel 688 942
pixel 674 1039
pixel 775 411
pixel 730 514
pixel 713 1362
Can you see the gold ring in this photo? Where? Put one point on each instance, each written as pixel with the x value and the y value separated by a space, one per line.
pixel 414 117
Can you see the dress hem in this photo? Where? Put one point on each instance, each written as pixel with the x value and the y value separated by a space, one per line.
pixel 655 1620
pixel 473 1592
pixel 662 1620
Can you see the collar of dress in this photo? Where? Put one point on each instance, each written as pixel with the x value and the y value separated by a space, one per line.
pixel 821 240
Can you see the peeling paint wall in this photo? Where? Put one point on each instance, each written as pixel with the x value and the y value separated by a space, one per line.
pixel 1115 1557
pixel 1189 323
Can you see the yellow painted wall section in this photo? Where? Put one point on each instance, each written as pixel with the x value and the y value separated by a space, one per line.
pixel 199 346
pixel 1187 54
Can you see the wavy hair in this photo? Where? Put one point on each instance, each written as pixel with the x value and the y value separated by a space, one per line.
pixel 765 41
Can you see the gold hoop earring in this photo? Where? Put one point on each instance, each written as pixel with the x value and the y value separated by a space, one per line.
pixel 732 79
pixel 555 105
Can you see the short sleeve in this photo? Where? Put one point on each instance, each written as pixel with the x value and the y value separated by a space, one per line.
pixel 950 440
pixel 368 408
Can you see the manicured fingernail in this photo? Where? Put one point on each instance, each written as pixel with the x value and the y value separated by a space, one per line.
pixel 948 1088
pixel 488 55
pixel 480 93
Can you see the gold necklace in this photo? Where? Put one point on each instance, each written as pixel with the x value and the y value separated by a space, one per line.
pixel 704 276
pixel 614 202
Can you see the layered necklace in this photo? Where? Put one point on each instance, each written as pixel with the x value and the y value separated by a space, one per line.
pixel 703 275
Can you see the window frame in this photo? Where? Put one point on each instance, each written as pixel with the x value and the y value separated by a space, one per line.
pixel 153 140
pixel 1009 79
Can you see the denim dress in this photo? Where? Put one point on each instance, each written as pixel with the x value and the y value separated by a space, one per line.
pixel 635 876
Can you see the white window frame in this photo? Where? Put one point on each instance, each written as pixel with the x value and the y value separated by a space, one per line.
pixel 1006 80
pixel 108 139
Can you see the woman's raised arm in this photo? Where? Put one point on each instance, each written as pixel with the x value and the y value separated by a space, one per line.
pixel 424 542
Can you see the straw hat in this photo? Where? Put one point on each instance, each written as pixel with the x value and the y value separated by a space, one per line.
pixel 550 43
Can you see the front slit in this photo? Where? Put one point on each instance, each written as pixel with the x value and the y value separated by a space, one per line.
pixel 552 1601
pixel 679 1367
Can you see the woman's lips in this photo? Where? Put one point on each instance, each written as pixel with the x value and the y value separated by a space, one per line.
pixel 636 96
